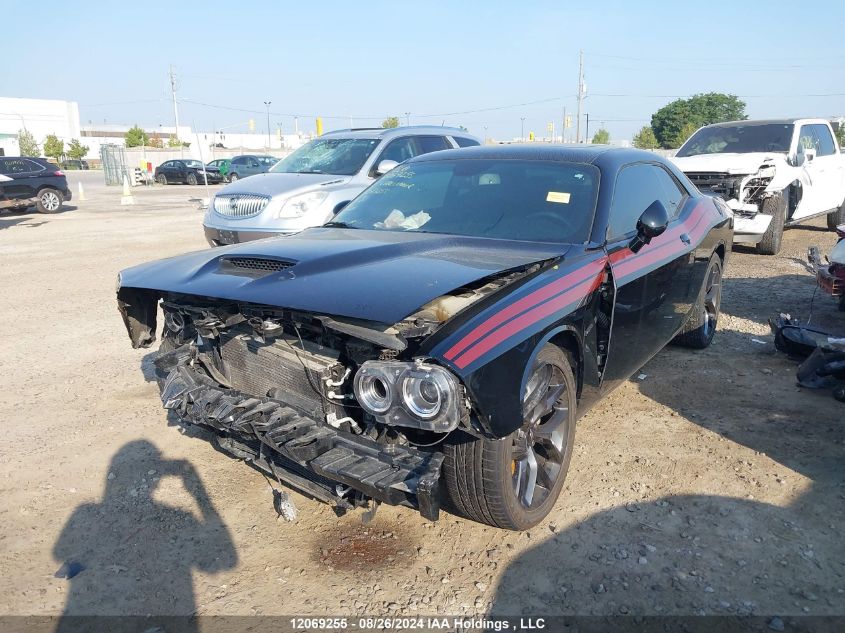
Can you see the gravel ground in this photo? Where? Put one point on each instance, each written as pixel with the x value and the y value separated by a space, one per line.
pixel 713 485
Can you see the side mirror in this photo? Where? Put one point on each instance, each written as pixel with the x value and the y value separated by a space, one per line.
pixel 340 206
pixel 810 154
pixel 385 166
pixel 652 223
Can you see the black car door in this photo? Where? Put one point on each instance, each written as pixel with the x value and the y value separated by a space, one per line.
pixel 651 285
pixel 25 174
pixel 180 170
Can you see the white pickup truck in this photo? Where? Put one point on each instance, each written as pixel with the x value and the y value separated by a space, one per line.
pixel 772 173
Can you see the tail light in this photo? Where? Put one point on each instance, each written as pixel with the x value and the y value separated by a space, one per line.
pixel 58 172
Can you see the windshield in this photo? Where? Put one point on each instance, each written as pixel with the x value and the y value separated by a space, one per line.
pixel 540 201
pixel 338 156
pixel 194 163
pixel 739 139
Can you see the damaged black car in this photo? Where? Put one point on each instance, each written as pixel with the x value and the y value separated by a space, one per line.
pixel 437 341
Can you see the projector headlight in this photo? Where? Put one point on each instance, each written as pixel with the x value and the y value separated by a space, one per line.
pixel 416 395
pixel 297 206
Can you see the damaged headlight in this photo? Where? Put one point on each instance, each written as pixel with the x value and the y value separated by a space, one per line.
pixel 416 395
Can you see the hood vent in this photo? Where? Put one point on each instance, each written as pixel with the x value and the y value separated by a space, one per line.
pixel 253 266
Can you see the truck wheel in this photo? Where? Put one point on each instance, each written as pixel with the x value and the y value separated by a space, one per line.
pixel 514 482
pixel 774 206
pixel 836 218
pixel 49 201
pixel 700 327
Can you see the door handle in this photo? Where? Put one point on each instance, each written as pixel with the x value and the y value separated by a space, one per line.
pixel 685 239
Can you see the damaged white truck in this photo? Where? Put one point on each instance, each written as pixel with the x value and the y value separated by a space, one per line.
pixel 771 173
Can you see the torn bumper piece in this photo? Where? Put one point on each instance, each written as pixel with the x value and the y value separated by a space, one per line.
pixel 314 455
pixel 750 230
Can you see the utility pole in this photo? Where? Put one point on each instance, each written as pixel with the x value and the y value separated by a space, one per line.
pixel 522 129
pixel 587 135
pixel 269 142
pixel 581 93
pixel 173 95
pixel 563 127
pixel 407 118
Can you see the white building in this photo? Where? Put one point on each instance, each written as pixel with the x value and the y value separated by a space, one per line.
pixel 40 117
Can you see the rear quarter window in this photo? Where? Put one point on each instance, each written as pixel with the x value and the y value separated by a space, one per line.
pixel 465 142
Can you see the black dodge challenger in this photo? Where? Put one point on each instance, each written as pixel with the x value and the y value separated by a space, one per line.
pixel 439 338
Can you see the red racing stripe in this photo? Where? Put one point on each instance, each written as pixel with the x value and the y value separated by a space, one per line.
pixel 527 302
pixel 527 319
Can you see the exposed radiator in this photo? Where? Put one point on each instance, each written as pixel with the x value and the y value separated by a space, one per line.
pixel 279 368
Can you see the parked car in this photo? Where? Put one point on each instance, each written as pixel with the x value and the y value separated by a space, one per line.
pixel 73 163
pixel 308 187
pixel 445 330
pixel 33 181
pixel 191 172
pixel 772 173
pixel 221 165
pixel 250 165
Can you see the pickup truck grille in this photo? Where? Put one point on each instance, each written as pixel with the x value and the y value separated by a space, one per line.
pixel 243 205
pixel 721 184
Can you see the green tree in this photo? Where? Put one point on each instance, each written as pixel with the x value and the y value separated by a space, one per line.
pixel 840 134
pixel 602 137
pixel 390 122
pixel 53 147
pixel 136 137
pixel 173 141
pixel 684 133
pixel 76 150
pixel 645 138
pixel 27 144
pixel 698 110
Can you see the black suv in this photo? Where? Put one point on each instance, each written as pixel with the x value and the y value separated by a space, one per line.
pixel 32 181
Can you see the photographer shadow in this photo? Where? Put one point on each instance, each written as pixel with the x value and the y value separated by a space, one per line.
pixel 130 555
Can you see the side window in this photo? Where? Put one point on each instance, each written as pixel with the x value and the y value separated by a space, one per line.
pixel 807 138
pixel 4 169
pixel 166 164
pixel 17 166
pixel 32 166
pixel 826 146
pixel 673 194
pixel 465 142
pixel 400 150
pixel 237 161
pixel 428 144
pixel 637 186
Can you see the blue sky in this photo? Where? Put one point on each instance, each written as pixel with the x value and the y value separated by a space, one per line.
pixel 432 59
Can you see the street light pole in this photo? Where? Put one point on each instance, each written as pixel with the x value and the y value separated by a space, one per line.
pixel 269 145
pixel 407 118
pixel 522 129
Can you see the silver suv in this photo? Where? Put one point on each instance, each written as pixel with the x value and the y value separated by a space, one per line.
pixel 312 184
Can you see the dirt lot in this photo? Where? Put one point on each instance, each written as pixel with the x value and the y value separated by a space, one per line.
pixel 713 485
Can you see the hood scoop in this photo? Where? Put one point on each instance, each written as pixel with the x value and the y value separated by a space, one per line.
pixel 253 266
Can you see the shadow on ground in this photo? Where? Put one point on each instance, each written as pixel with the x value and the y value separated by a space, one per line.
pixel 129 554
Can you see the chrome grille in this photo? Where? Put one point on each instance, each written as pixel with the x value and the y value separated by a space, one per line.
pixel 243 205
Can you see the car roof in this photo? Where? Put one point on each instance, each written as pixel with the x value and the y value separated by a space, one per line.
pixel 786 121
pixel 600 155
pixel 407 130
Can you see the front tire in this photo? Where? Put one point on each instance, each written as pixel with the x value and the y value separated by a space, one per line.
pixel 161 179
pixel 774 206
pixel 836 218
pixel 514 482
pixel 49 201
pixel 700 328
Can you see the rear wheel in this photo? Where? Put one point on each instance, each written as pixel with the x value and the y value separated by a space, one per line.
pixel 700 328
pixel 774 206
pixel 836 218
pixel 161 179
pixel 192 179
pixel 49 201
pixel 514 482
